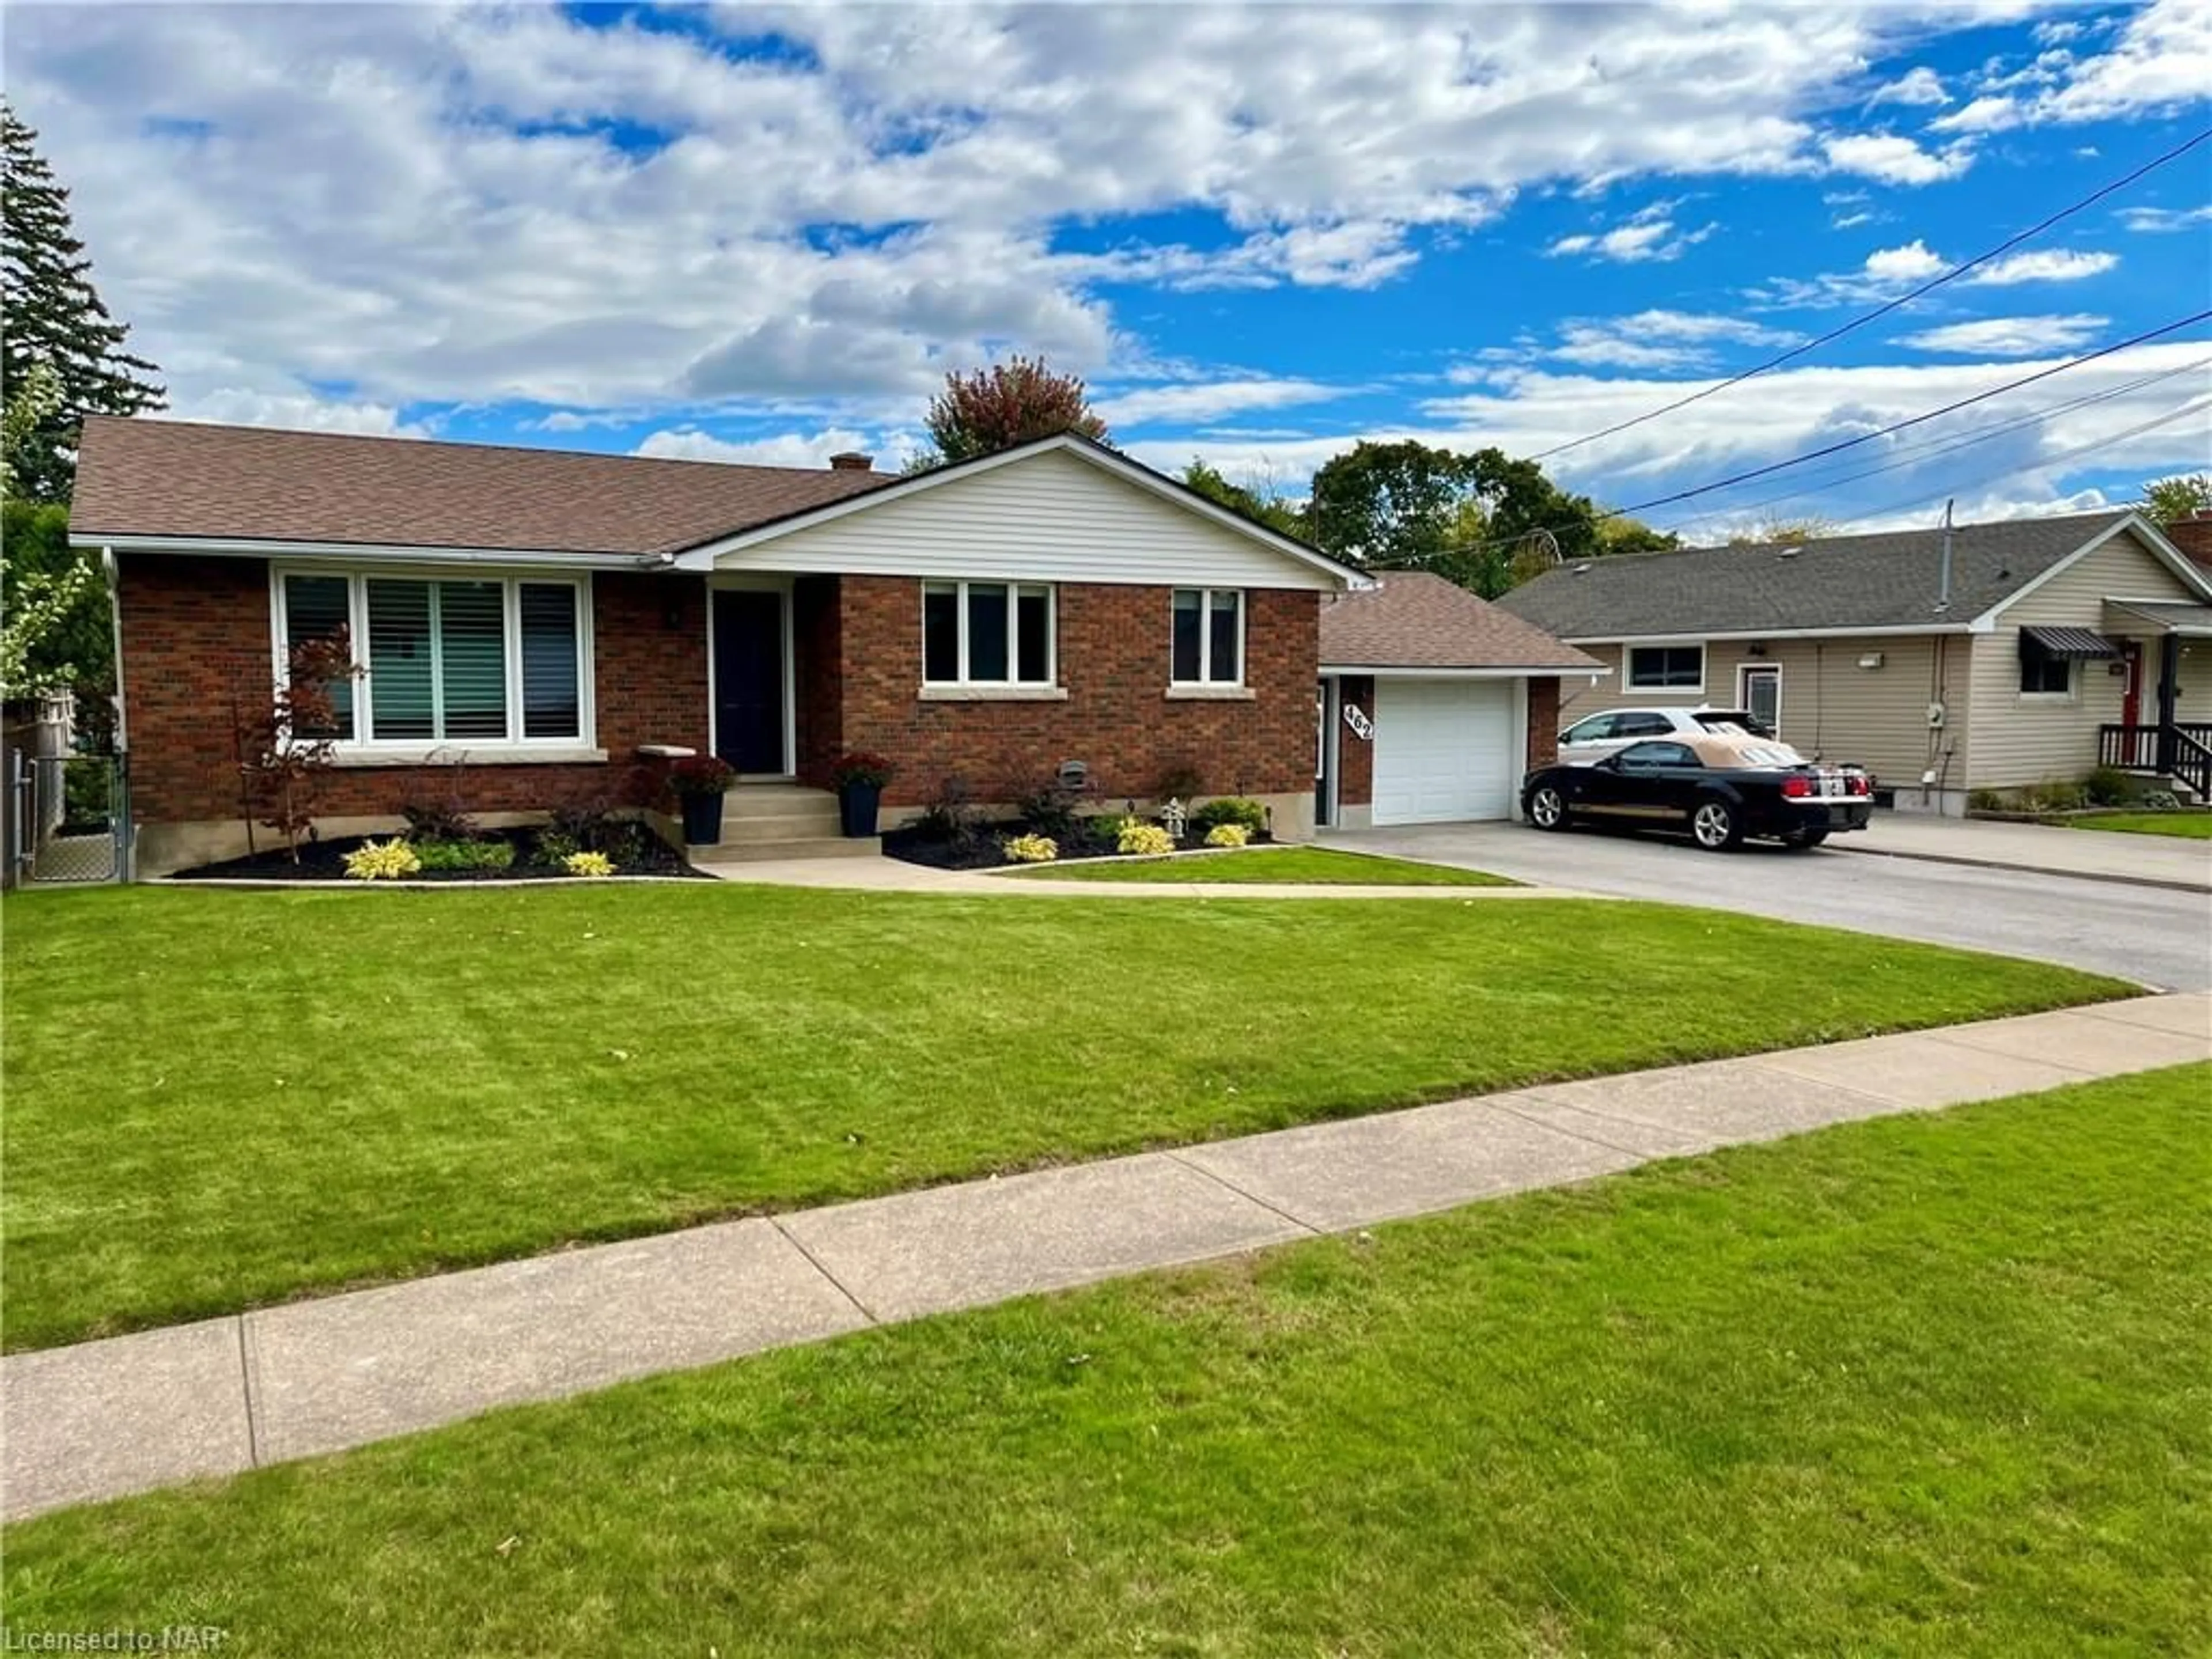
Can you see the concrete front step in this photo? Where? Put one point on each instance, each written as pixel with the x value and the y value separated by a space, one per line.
pixel 782 826
pixel 788 847
pixel 760 800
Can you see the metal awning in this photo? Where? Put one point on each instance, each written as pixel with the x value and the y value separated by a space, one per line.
pixel 2174 616
pixel 2070 643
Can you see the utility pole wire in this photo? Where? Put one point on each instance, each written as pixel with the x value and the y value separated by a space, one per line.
pixel 1879 311
pixel 1842 444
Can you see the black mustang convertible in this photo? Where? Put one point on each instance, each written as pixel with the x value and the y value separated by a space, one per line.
pixel 1720 787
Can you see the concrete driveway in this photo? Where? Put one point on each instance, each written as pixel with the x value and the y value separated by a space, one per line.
pixel 2156 936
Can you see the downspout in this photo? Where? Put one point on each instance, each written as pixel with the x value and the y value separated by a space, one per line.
pixel 113 572
pixel 1943 578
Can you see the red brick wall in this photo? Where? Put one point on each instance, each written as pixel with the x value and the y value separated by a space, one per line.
pixel 2193 535
pixel 817 634
pixel 1543 720
pixel 1116 718
pixel 1355 755
pixel 196 630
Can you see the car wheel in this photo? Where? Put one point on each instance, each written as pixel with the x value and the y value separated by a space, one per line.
pixel 1713 823
pixel 1804 839
pixel 1548 809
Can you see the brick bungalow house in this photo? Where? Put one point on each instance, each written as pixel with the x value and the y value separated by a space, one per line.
pixel 558 622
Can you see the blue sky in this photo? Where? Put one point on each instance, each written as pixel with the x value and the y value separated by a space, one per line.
pixel 1262 233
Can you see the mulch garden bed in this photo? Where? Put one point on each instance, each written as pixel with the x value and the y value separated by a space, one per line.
pixel 325 860
pixel 981 850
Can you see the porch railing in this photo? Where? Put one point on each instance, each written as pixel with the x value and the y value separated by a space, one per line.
pixel 2182 752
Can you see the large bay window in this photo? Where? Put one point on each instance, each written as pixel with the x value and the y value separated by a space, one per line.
pixel 987 634
pixel 1206 636
pixel 466 661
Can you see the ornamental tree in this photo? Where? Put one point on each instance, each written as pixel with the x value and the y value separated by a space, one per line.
pixel 1011 402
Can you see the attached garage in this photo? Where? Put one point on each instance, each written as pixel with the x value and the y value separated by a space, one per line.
pixel 1433 704
pixel 1444 750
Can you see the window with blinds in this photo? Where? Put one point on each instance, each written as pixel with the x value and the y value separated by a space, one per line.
pixel 475 662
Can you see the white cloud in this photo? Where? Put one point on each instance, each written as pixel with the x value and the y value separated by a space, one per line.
pixel 1895 160
pixel 1919 86
pixel 1799 407
pixel 298 411
pixel 1648 234
pixel 2009 337
pixel 1912 262
pixel 2160 220
pixel 507 205
pixel 1651 339
pixel 802 449
pixel 2155 66
pixel 1153 406
pixel 2051 266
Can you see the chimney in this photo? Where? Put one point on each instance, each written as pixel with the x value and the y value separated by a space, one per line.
pixel 2193 535
pixel 851 460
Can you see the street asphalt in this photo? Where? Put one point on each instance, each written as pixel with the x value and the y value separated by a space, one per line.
pixel 2157 936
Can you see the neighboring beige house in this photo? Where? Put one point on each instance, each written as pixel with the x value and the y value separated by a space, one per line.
pixel 1989 656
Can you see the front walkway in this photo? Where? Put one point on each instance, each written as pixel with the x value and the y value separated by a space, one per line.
pixel 104 1419
pixel 2093 854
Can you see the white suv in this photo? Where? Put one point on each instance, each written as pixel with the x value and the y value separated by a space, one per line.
pixel 1588 741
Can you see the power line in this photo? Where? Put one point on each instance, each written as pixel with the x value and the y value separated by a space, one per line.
pixel 1919 453
pixel 2167 419
pixel 1842 444
pixel 1882 310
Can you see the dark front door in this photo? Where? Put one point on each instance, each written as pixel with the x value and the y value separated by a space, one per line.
pixel 2131 687
pixel 749 679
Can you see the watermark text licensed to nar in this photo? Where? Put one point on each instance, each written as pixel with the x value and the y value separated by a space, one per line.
pixel 158 1639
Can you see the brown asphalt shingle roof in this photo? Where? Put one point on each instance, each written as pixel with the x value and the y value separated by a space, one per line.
pixel 1414 619
pixel 142 477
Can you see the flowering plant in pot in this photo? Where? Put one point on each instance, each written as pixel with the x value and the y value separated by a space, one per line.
pixel 700 782
pixel 860 778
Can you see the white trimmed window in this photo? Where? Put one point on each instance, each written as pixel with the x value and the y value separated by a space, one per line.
pixel 476 661
pixel 1667 667
pixel 1206 636
pixel 987 634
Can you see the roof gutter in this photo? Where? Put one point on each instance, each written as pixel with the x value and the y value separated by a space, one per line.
pixel 1979 625
pixel 360 553
pixel 1417 671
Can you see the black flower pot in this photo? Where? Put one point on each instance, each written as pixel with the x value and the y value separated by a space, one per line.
pixel 858 806
pixel 702 819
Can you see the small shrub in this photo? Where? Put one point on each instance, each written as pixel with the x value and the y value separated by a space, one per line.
pixel 1031 849
pixel 588 864
pixel 553 848
pixel 2058 796
pixel 437 821
pixel 949 818
pixel 382 860
pixel 464 854
pixel 1105 830
pixel 595 826
pixel 1178 782
pixel 2108 786
pixel 1984 800
pixel 1049 808
pixel 1228 834
pixel 1230 809
pixel 1147 838
pixel 2159 800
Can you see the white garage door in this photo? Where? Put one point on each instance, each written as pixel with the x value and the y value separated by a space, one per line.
pixel 1443 750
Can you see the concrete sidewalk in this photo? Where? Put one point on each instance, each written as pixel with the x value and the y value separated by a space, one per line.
pixel 105 1418
pixel 2089 854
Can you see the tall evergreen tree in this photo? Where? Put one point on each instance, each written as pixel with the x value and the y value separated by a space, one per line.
pixel 54 315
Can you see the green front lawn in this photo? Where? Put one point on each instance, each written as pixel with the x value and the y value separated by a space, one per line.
pixel 219 1099
pixel 1938 1385
pixel 1301 865
pixel 2190 826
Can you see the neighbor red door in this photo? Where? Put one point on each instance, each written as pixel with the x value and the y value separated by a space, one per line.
pixel 2131 687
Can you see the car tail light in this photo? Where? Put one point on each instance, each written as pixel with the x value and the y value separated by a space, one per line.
pixel 1796 785
pixel 1861 784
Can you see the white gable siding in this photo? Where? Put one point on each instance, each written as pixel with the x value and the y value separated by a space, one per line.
pixel 2022 740
pixel 1052 517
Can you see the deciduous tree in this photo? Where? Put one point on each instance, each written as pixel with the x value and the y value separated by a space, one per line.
pixel 1011 402
pixel 2166 500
